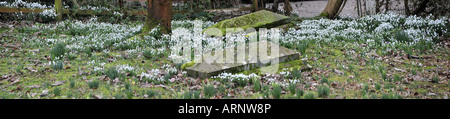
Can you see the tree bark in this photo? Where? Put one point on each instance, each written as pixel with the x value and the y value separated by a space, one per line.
pixel 365 8
pixel 421 7
pixel 287 8
pixel 357 8
pixel 275 6
pixel 377 6
pixel 263 4
pixel 332 8
pixel 406 7
pixel 159 13
pixel 75 3
pixel 386 6
pixel 58 9
pixel 340 10
pixel 255 5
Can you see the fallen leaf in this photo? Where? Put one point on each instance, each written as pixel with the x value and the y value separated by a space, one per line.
pixel 338 72
pixel 102 77
pixel 400 70
pixel 196 87
pixel 15 81
pixel 57 83
pixel 34 86
pixel 163 86
pixel 44 93
pixel 31 69
pixel 97 96
pixel 417 78
pixel 172 80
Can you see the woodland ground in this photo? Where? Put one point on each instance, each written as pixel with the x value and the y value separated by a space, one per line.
pixel 384 56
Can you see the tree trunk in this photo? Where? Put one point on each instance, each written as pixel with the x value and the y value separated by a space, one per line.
pixel 357 8
pixel 58 9
pixel 377 6
pixel 406 7
pixel 365 8
pixel 386 6
pixel 75 3
pixel 332 8
pixel 263 4
pixel 421 8
pixel 275 6
pixel 159 13
pixel 255 5
pixel 340 10
pixel 287 8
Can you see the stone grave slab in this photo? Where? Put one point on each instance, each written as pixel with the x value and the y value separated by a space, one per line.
pixel 206 70
pixel 259 19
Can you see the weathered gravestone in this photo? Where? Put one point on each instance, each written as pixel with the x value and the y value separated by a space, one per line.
pixel 259 19
pixel 206 70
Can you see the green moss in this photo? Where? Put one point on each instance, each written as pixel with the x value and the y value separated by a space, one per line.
pixel 186 65
pixel 323 15
pixel 260 19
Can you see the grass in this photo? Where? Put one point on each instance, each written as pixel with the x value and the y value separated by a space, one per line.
pixel 292 88
pixel 276 91
pixel 94 84
pixel 151 93
pixel 435 79
pixel 72 83
pixel 188 95
pixel 58 51
pixel 19 68
pixel 323 91
pixel 397 78
pixel 257 84
pixel 309 96
pixel 377 86
pixel 324 80
pixel 87 58
pixel 209 91
pixel 402 37
pixel 300 93
pixel 56 91
pixel 58 65
pixel 112 73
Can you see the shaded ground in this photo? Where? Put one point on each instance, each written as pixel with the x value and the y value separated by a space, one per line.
pixel 341 68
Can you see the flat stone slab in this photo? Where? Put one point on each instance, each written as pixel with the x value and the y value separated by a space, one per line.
pixel 259 19
pixel 206 70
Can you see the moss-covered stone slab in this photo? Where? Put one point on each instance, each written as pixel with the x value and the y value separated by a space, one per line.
pixel 259 19
pixel 206 70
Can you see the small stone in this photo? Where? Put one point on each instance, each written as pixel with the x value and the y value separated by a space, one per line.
pixel 351 76
pixel 417 78
pixel 334 85
pixel 97 96
pixel 67 67
pixel 400 70
pixel 172 80
pixel 44 93
pixel 338 72
pixel 339 97
pixel 57 83
pixel 34 86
